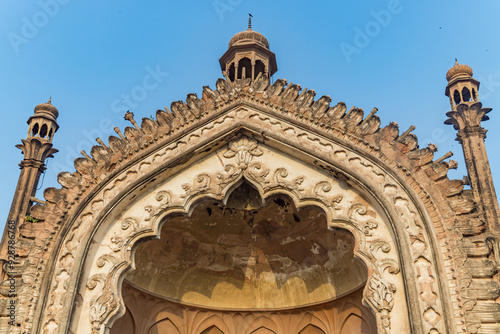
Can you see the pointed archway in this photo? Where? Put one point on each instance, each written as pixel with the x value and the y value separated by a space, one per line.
pixel 214 177
pixel 248 259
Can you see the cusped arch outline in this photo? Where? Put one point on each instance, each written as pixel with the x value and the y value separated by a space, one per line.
pixel 114 257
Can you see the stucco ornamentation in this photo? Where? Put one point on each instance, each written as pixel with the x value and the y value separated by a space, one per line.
pixel 415 191
pixel 121 239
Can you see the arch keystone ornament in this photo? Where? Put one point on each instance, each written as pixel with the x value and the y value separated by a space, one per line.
pixel 423 251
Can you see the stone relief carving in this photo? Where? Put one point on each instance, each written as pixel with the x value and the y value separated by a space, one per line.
pixel 330 317
pixel 164 197
pixel 243 149
pixel 360 209
pixel 102 285
pixel 280 178
pixel 380 295
pixel 322 146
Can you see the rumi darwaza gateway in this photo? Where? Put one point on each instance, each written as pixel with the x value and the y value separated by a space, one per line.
pixel 256 209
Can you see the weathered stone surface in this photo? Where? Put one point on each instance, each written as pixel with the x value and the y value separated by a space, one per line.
pixel 484 289
pixel 487 311
pixel 481 267
pixel 425 249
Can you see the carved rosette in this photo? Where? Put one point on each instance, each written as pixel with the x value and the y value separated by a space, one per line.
pixel 343 208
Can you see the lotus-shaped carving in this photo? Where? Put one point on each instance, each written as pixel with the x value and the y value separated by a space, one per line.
pixel 243 149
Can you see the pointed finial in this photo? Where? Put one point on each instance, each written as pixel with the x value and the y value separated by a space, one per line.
pixel 456 62
pixel 250 21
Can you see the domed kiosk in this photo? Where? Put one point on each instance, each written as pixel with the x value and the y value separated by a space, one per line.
pixel 248 56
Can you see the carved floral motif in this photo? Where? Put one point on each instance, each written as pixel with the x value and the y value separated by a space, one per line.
pixel 164 197
pixel 243 149
pixel 102 285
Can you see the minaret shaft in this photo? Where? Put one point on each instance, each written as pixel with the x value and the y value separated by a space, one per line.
pixel 479 172
pixel 24 191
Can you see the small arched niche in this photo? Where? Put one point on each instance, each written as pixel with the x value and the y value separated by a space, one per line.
pixel 244 68
pixel 34 132
pixel 43 131
pixel 457 98
pixel 259 67
pixel 248 256
pixel 466 94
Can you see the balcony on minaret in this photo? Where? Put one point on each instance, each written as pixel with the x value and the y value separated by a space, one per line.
pixel 36 148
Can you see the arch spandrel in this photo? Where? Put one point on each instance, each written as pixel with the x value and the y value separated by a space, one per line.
pixel 336 153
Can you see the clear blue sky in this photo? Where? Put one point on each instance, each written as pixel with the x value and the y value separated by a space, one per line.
pixel 88 55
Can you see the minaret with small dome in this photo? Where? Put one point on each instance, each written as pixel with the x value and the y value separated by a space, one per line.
pixel 466 116
pixel 462 87
pixel 36 148
pixel 248 56
pixel 43 124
